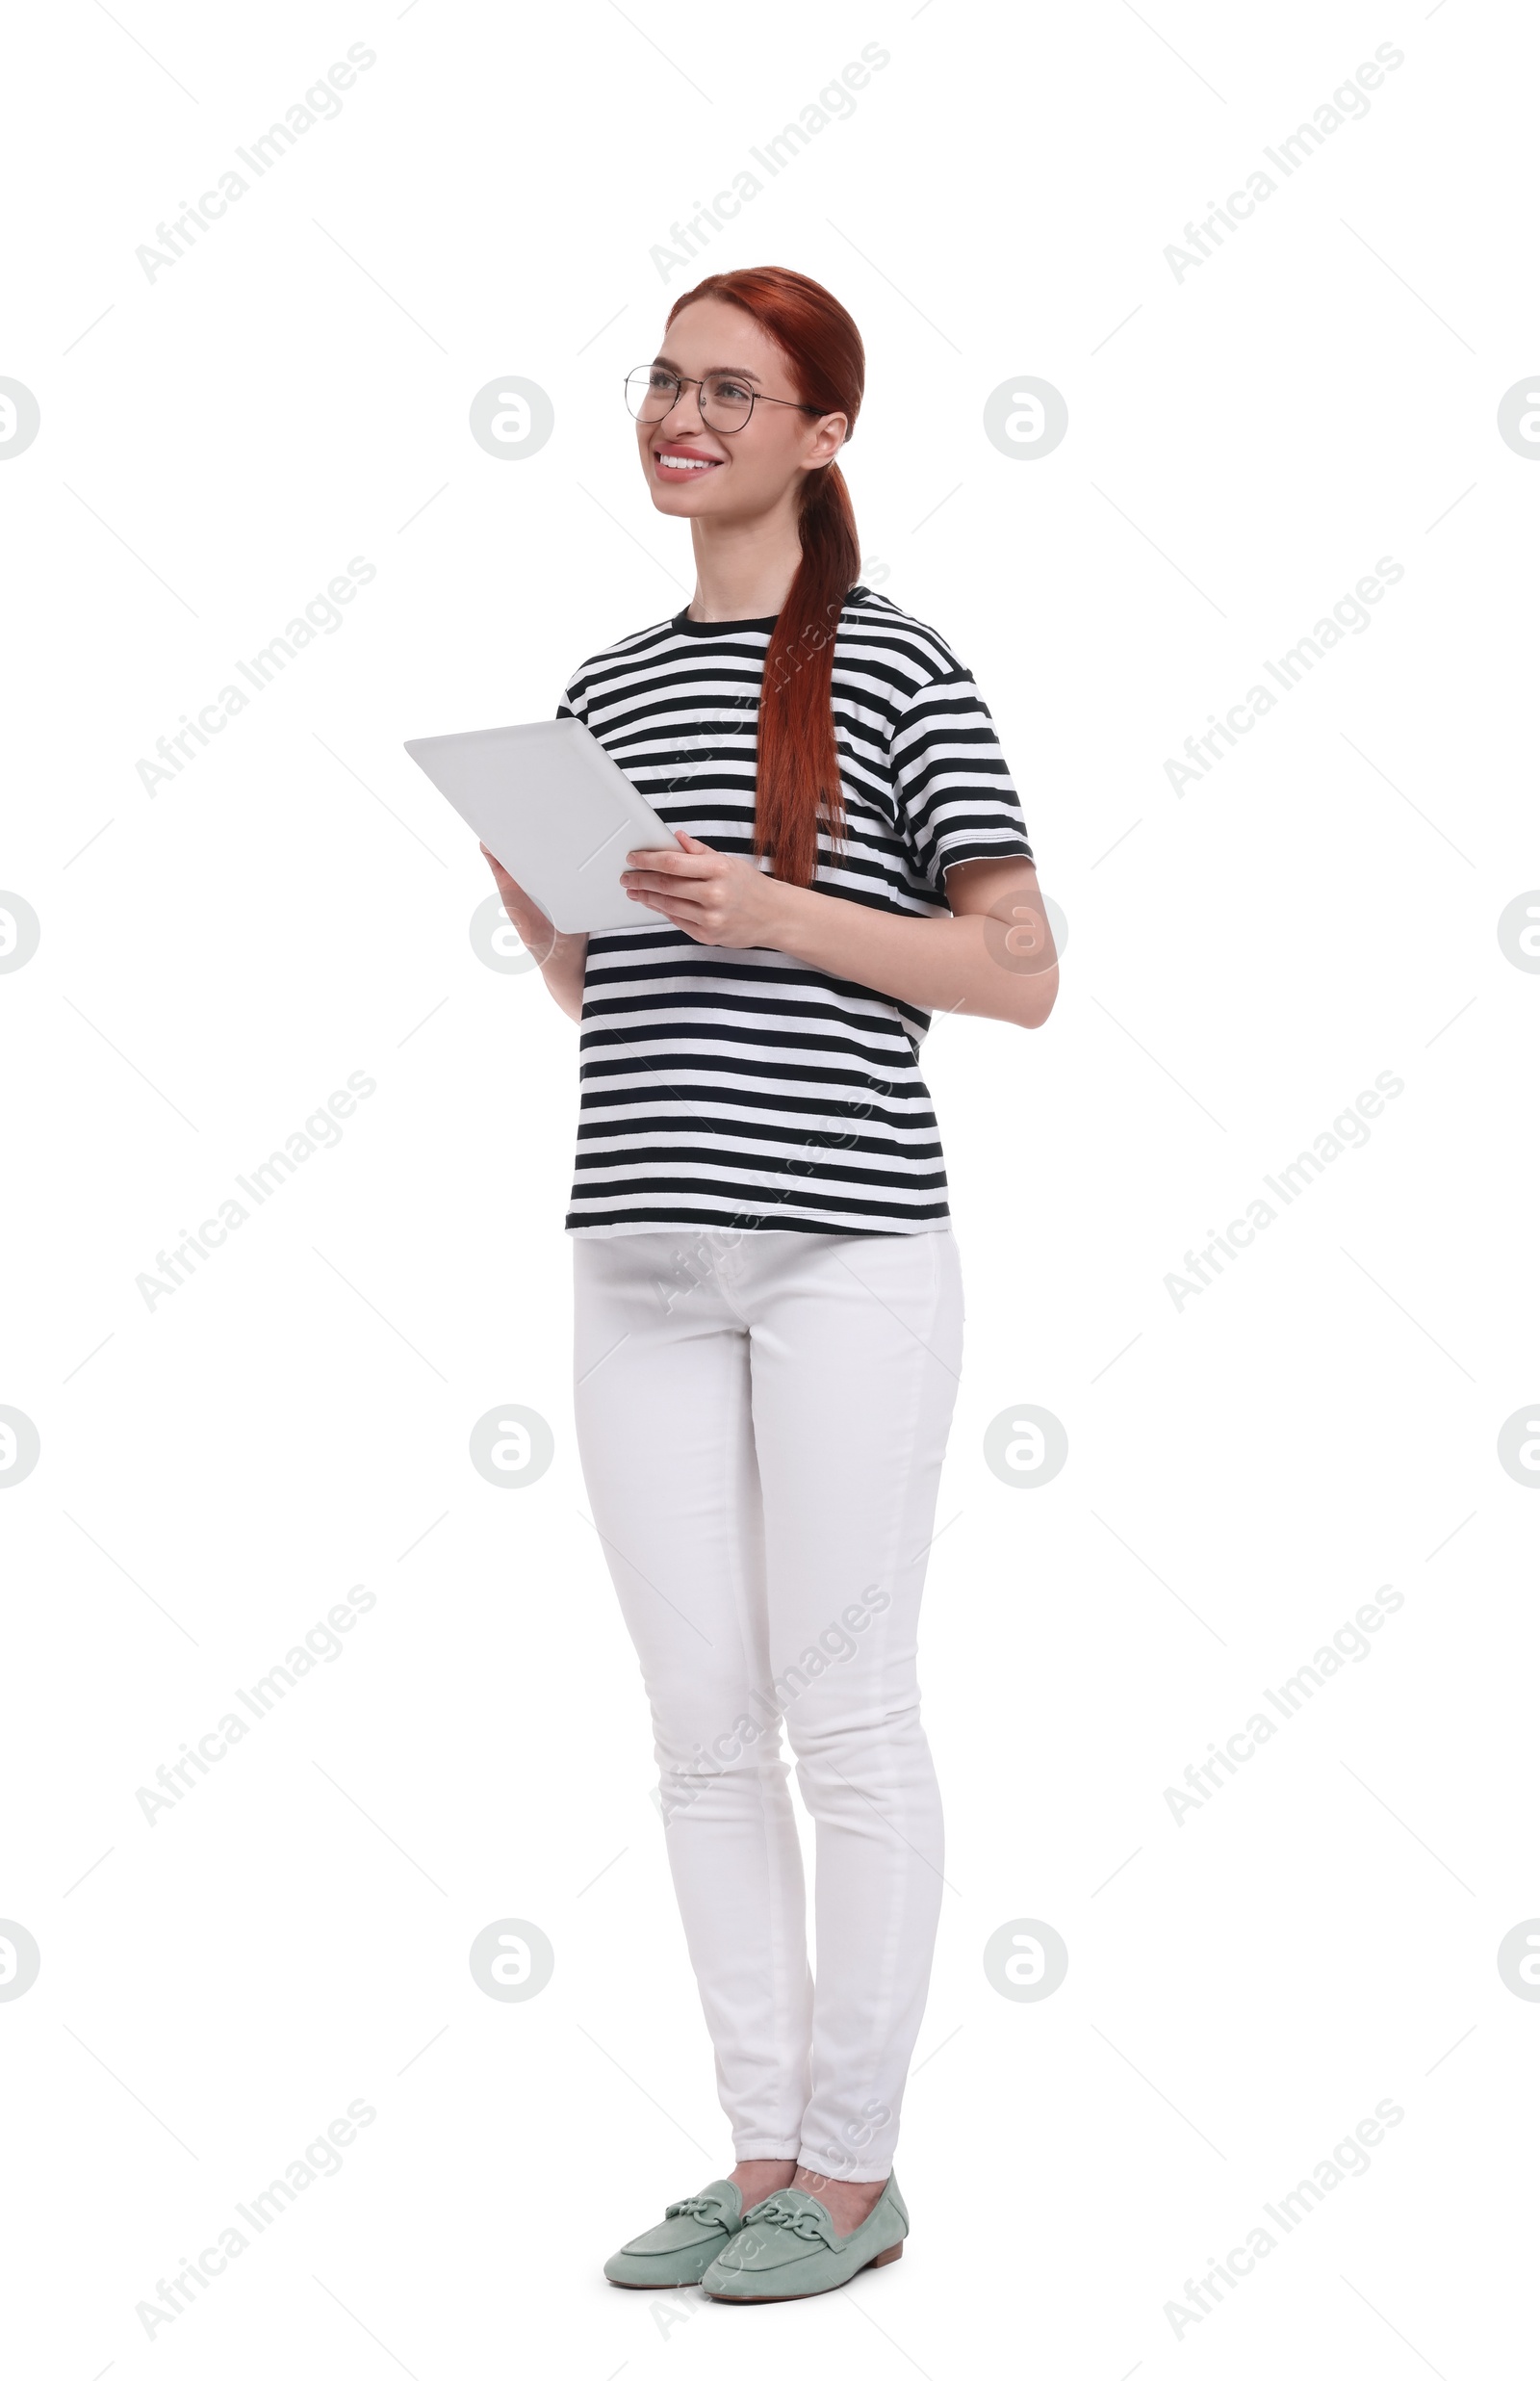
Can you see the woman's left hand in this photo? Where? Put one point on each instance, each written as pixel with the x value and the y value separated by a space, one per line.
pixel 711 896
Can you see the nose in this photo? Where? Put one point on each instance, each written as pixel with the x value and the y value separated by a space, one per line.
pixel 685 415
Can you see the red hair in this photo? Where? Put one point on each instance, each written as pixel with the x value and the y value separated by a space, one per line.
pixel 798 780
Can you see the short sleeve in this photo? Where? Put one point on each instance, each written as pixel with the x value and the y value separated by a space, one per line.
pixel 955 799
pixel 574 703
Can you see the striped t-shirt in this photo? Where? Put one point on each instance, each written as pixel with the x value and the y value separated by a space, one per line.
pixel 739 1088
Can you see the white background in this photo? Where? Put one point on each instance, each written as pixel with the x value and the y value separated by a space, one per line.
pixel 1243 960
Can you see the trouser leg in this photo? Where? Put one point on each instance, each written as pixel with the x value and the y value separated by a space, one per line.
pixel 661 1390
pixel 855 1346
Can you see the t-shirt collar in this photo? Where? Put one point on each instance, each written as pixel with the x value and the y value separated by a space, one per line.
pixel 725 627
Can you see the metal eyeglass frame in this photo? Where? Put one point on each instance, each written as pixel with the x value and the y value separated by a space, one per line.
pixel 685 379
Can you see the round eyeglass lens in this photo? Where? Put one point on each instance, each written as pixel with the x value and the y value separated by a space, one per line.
pixel 649 393
pixel 725 403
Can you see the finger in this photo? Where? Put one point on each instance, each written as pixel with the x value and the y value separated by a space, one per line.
pixel 684 914
pixel 646 881
pixel 698 929
pixel 677 863
pixel 667 897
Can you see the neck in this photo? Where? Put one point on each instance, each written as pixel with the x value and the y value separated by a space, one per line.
pixel 744 569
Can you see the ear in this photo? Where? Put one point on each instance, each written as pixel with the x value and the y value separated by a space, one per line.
pixel 832 434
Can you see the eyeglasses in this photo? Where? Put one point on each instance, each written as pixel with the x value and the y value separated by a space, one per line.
pixel 725 403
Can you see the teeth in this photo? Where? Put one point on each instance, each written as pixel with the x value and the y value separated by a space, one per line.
pixel 680 462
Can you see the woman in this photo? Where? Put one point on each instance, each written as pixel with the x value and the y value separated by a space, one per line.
pixel 768 1307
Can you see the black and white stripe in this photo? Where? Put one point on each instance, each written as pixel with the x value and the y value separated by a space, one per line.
pixel 727 1088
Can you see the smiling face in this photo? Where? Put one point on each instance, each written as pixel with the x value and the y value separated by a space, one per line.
pixel 697 473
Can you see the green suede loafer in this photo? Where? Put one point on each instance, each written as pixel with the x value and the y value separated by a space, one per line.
pixel 676 2253
pixel 787 2247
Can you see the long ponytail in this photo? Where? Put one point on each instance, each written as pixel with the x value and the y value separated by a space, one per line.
pixel 798 786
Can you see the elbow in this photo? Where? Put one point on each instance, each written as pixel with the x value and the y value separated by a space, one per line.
pixel 1035 999
pixel 1020 982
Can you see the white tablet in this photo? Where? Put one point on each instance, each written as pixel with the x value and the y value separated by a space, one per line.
pixel 557 811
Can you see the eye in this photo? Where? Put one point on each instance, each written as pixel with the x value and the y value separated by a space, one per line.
pixel 660 380
pixel 732 392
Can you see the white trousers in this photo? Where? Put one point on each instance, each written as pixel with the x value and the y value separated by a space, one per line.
pixel 761 1418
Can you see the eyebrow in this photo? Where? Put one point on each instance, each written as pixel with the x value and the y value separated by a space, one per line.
pixel 739 371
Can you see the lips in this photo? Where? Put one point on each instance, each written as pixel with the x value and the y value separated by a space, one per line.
pixel 675 462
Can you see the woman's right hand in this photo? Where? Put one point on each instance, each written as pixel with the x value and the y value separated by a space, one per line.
pixel 535 930
pixel 561 958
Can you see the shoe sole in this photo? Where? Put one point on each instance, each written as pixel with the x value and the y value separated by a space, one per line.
pixel 656 2286
pixel 650 2286
pixel 884 2257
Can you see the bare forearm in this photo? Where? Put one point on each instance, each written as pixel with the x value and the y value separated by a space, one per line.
pixel 562 960
pixel 993 957
pixel 979 966
pixel 560 957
